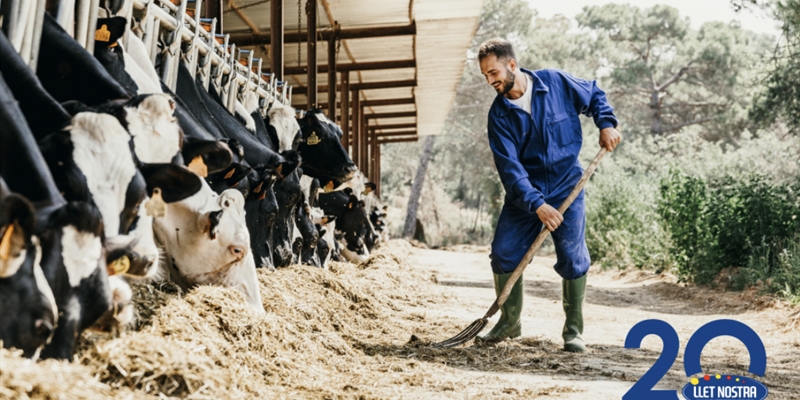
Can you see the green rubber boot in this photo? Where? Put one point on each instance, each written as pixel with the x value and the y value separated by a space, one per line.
pixel 573 292
pixel 509 325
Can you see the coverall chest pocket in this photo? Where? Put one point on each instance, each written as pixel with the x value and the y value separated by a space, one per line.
pixel 560 130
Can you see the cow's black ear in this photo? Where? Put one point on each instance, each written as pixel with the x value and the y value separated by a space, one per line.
pixel 17 218
pixel 108 31
pixel 348 191
pixel 175 181
pixel 352 202
pixel 74 106
pixel 292 161
pixel 217 156
pixel 361 204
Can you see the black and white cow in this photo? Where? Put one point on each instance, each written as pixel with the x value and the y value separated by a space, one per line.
pixel 28 312
pixel 351 220
pixel 70 234
pixel 321 146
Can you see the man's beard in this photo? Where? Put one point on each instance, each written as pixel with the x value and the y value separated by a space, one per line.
pixel 507 83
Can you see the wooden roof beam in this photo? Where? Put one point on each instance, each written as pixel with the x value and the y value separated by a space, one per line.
pixel 361 86
pixel 251 39
pixel 365 66
pixel 399 140
pixel 378 103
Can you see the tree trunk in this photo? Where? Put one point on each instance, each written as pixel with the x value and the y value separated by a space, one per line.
pixel 655 107
pixel 416 188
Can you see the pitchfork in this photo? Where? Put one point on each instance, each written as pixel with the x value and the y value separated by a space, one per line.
pixel 476 327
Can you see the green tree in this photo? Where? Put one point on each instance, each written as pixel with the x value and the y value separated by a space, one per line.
pixel 666 75
pixel 778 101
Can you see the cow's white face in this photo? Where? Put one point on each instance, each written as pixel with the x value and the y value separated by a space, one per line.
pixel 155 131
pixel 206 236
pixel 82 253
pixel 102 152
pixel 285 124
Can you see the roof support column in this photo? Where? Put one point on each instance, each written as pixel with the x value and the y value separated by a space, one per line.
pixel 356 119
pixel 345 93
pixel 363 144
pixel 311 54
pixel 377 167
pixel 276 35
pixel 332 76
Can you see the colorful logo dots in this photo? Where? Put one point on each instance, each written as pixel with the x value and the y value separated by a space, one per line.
pixel 737 379
pixel 729 377
pixel 695 381
pixel 706 378
pixel 718 376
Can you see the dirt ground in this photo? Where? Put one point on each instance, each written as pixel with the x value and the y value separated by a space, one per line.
pixel 345 333
pixel 614 303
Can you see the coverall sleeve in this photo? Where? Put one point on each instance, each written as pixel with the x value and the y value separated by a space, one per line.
pixel 512 174
pixel 588 99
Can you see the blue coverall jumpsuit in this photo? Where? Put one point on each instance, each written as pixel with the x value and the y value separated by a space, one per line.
pixel 537 158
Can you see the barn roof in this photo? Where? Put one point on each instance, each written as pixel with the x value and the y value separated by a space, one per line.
pixel 433 55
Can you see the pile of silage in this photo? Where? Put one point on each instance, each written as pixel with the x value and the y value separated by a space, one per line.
pixel 209 344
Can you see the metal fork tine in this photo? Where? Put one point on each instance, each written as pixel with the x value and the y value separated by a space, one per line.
pixel 464 336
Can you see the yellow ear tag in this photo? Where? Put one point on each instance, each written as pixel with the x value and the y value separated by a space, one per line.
pixel 258 188
pixel 102 34
pixel 119 266
pixel 156 207
pixel 329 187
pixel 313 139
pixel 278 171
pixel 198 167
pixel 230 173
pixel 366 191
pixel 5 244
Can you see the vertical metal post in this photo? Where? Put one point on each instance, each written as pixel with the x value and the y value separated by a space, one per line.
pixel 356 120
pixel 276 38
pixel 172 58
pixel 377 167
pixel 311 52
pixel 10 10
pixel 332 75
pixel 94 6
pixel 345 121
pixel 214 10
pixel 82 22
pixel 37 35
pixel 363 152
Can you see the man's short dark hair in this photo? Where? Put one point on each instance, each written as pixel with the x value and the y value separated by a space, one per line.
pixel 501 49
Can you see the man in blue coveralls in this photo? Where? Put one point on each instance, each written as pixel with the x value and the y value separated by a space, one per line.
pixel 535 135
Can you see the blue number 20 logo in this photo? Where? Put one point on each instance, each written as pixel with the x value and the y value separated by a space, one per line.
pixel 643 389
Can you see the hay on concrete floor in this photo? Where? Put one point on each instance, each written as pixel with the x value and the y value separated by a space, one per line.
pixel 326 334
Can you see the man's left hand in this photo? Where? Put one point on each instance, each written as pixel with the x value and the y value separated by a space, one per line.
pixel 610 138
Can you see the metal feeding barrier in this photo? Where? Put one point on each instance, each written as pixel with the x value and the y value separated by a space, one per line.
pixel 207 54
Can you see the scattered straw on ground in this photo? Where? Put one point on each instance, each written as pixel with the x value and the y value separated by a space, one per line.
pixel 337 333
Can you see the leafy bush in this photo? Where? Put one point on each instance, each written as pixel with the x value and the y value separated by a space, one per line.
pixel 623 228
pixel 719 223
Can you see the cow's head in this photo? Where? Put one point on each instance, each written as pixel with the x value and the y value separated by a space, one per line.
pixel 150 120
pixel 283 127
pixel 74 262
pixel 28 313
pixel 354 224
pixel 322 150
pixel 205 234
pixel 261 207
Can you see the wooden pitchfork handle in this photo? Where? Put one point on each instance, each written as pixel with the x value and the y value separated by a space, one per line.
pixel 540 239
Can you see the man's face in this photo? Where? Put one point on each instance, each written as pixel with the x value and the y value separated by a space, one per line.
pixel 499 73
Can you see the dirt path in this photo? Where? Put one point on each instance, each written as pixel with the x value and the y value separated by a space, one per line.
pixel 534 365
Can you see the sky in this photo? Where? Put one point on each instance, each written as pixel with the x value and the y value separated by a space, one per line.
pixel 698 11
